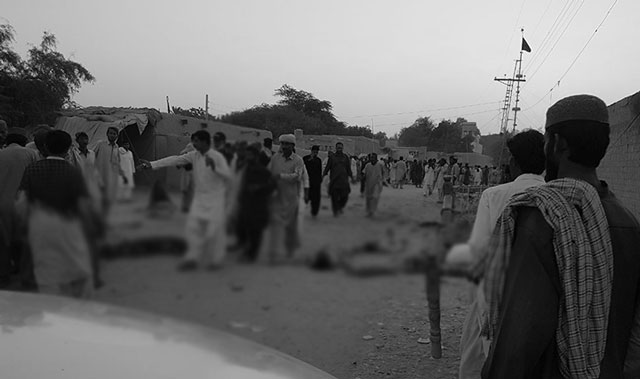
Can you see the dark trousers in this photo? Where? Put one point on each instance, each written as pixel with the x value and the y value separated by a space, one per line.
pixel 250 238
pixel 315 192
pixel 338 201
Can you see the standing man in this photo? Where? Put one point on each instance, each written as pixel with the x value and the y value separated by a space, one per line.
pixel 266 153
pixel 563 284
pixel 314 168
pixel 14 159
pixel 108 165
pixel 527 160
pixel 206 228
pixel 339 187
pixel 287 168
pixel 58 207
pixel 127 167
pixel 401 172
pixel 373 178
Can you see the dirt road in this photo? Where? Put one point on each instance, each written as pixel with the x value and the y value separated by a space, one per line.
pixel 318 317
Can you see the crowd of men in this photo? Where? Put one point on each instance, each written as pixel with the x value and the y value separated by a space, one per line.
pixel 554 254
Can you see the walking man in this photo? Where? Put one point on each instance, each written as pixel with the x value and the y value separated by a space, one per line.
pixel 287 168
pixel 563 282
pixel 373 177
pixel 314 168
pixel 339 187
pixel 206 226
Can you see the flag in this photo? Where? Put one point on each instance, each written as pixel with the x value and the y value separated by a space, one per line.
pixel 525 46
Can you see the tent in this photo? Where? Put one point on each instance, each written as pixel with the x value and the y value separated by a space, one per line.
pixel 152 135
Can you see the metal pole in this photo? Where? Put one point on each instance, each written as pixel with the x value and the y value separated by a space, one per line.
pixel 206 107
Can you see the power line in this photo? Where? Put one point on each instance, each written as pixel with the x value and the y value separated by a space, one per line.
pixel 557 84
pixel 422 111
pixel 556 43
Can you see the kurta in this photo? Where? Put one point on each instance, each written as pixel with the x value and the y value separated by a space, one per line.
pixel 289 173
pixel 128 168
pixel 525 344
pixel 373 177
pixel 108 165
pixel 206 221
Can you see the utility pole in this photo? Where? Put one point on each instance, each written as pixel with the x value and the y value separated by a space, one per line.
pixel 206 107
pixel 516 79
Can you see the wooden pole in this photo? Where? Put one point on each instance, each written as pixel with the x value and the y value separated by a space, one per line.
pixel 433 300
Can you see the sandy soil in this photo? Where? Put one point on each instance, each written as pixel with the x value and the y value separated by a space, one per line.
pixel 318 317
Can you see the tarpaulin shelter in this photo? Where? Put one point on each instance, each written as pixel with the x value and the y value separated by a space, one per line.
pixel 152 135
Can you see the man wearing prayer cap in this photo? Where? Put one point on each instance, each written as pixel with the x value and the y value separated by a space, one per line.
pixel 562 279
pixel 289 172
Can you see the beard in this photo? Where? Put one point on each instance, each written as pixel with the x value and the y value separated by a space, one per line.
pixel 551 169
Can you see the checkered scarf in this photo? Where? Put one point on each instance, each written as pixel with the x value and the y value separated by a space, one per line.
pixel 582 246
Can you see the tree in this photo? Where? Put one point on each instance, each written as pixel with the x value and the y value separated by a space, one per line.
pixel 33 90
pixel 304 102
pixel 418 134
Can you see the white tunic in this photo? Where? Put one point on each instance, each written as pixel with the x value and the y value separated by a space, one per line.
pixel 209 184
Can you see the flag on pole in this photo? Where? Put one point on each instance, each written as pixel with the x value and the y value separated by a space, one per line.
pixel 525 46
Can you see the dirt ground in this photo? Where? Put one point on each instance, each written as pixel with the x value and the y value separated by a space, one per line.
pixel 318 317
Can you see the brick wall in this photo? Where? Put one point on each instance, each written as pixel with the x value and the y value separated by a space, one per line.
pixel 621 166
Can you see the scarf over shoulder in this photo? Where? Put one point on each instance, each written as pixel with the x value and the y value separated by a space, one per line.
pixel 584 255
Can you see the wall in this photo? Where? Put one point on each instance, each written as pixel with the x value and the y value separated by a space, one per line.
pixel 621 165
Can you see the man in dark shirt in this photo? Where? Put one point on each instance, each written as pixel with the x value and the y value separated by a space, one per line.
pixel 314 168
pixel 533 335
pixel 339 166
pixel 58 205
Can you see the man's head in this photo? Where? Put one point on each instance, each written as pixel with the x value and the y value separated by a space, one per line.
pixel 268 143
pixel 576 132
pixel 17 136
pixel 82 139
pixel 219 140
pixel 401 158
pixel 314 150
pixel 112 134
pixel 39 138
pixel 527 153
pixel 373 158
pixel 251 153
pixel 4 131
pixel 287 143
pixel 201 141
pixel 58 142
pixel 339 147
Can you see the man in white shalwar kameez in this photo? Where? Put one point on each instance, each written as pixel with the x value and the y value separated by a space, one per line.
pixel 126 184
pixel 206 228
pixel 108 165
pixel 288 170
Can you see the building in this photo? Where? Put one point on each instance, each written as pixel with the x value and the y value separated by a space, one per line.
pixel 353 145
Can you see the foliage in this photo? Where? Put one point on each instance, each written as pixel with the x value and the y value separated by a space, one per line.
pixel 446 137
pixel 495 146
pixel 297 110
pixel 33 90
pixel 193 112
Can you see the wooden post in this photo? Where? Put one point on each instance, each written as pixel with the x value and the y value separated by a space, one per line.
pixel 433 299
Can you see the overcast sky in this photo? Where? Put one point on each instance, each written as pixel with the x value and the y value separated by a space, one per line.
pixel 380 62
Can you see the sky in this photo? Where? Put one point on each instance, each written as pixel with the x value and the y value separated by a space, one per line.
pixel 380 63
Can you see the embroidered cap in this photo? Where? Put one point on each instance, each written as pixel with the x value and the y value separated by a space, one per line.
pixel 578 108
pixel 288 138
